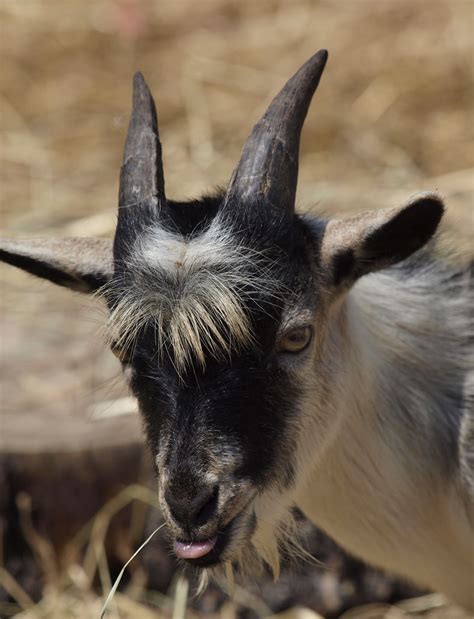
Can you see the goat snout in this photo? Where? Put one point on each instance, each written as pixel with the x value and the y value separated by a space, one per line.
pixel 192 509
pixel 206 518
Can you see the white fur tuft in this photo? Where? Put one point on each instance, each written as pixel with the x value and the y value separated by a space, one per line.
pixel 193 292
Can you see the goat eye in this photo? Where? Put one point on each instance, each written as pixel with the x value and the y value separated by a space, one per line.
pixel 295 340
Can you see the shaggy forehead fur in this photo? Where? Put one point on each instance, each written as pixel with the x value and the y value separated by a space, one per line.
pixel 193 291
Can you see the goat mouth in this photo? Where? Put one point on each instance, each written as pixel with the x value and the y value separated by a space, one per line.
pixel 194 549
pixel 209 552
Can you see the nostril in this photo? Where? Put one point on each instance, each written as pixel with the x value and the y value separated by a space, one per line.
pixel 193 510
pixel 208 508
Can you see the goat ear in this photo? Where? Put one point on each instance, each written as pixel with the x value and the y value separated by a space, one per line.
pixel 82 264
pixel 374 240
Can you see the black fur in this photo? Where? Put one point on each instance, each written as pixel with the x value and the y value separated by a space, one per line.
pixel 343 263
pixel 244 406
pixel 187 218
pixel 402 235
pixel 84 282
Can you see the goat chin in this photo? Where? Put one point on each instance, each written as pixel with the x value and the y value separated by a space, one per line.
pixel 257 543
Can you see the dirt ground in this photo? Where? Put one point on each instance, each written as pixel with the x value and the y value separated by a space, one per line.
pixel 393 116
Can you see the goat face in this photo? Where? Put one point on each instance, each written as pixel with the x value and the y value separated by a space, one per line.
pixel 214 328
pixel 220 312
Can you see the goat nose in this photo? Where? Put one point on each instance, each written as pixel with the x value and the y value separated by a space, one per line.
pixel 192 510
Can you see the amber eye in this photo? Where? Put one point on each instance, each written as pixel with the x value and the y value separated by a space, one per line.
pixel 295 340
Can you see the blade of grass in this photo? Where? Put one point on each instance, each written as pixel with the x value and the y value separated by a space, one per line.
pixel 180 599
pixel 122 571
pixel 15 590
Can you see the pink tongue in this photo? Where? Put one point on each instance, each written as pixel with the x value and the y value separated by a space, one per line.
pixel 194 550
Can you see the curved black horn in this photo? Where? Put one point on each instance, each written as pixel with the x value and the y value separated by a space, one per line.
pixel 142 185
pixel 268 167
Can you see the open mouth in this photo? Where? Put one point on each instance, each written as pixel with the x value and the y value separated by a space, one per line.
pixel 205 552
pixel 208 552
pixel 194 550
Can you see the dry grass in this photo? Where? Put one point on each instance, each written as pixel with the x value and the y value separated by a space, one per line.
pixel 393 116
pixel 70 594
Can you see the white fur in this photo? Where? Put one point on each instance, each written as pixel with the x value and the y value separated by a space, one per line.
pixel 191 289
pixel 376 478
pixel 378 435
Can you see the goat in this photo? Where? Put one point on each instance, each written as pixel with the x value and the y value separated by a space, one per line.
pixel 285 360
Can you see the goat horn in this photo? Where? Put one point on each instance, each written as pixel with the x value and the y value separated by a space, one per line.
pixel 141 176
pixel 268 167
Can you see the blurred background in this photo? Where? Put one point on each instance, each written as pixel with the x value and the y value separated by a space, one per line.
pixel 393 116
